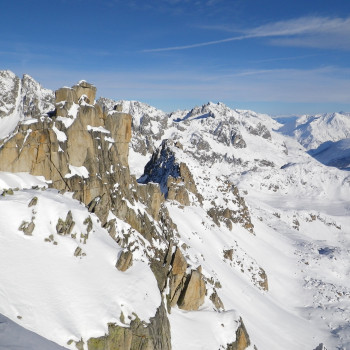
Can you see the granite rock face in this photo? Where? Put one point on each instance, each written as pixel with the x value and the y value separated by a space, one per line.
pixel 193 293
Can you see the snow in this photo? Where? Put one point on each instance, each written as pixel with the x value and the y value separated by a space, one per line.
pixel 334 153
pixel 191 328
pixel 15 337
pixel 29 121
pixel 313 130
pixel 109 139
pixel 61 136
pixel 77 170
pixel 72 114
pixel 279 306
pixel 20 180
pixel 66 297
pixel 98 129
pixel 137 162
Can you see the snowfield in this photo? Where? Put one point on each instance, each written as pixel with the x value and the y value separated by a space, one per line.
pixel 54 293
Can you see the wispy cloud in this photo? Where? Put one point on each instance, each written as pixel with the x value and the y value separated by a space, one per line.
pixel 304 25
pixel 322 32
pixel 191 46
pixel 279 59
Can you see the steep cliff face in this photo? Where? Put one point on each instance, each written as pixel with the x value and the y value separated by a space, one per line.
pixel 82 148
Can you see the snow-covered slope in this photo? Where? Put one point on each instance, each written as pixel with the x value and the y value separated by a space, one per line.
pixel 15 337
pixel 64 286
pixel 335 154
pixel 250 235
pixel 313 130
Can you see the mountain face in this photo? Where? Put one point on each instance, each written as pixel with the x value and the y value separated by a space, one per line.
pixel 124 227
pixel 19 99
pixel 336 154
pixel 313 130
pixel 326 137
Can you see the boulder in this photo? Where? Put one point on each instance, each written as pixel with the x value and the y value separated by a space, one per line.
pixel 193 294
pixel 124 261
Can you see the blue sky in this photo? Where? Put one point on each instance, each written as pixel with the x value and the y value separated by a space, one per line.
pixel 278 57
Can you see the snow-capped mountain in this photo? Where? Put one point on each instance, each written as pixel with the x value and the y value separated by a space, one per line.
pixel 313 130
pixel 20 99
pixel 124 227
pixel 326 137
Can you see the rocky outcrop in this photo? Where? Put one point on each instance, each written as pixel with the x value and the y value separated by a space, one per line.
pixel 174 177
pixel 80 149
pixel 148 123
pixel 124 261
pixel 260 130
pixel 85 151
pixel 228 216
pixel 27 227
pixel 263 282
pixel 86 91
pixel 226 133
pixel 162 165
pixel 187 291
pixel 65 227
pixel 242 339
pixel 217 302
pixel 177 276
pixel 139 336
pixel 193 294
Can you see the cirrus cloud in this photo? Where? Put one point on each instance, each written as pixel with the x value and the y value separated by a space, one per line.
pixel 321 32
